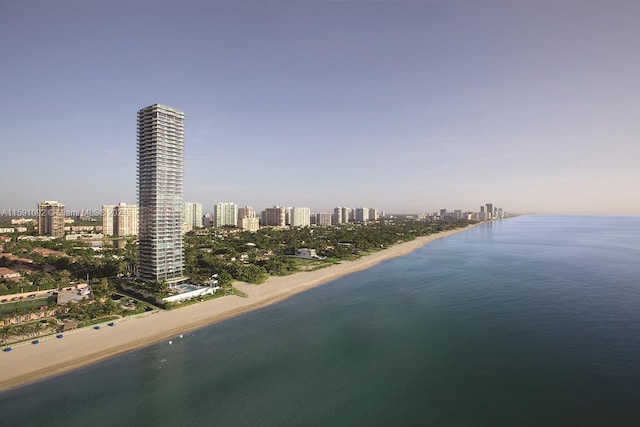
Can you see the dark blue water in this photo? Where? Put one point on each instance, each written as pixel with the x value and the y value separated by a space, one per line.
pixel 531 321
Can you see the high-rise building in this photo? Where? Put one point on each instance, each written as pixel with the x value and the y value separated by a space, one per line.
pixel 300 217
pixel 120 220
pixel 249 223
pixel 225 214
pixel 337 216
pixel 107 219
pixel 373 215
pixel 362 214
pixel 489 210
pixel 247 219
pixel 192 215
pixel 246 212
pixel 323 218
pixel 341 215
pixel 288 214
pixel 51 219
pixel 125 220
pixel 207 220
pixel 160 193
pixel 274 217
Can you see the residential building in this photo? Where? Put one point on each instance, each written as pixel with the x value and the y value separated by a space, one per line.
pixel 7 273
pixel 246 212
pixel 300 216
pixel 119 220
pixel 247 219
pixel 489 210
pixel 107 219
pixel 362 214
pixel 125 220
pixel 160 193
pixel 207 220
pixel 341 215
pixel 274 217
pixel 192 215
pixel 22 221
pixel 323 218
pixel 51 219
pixel 249 223
pixel 225 214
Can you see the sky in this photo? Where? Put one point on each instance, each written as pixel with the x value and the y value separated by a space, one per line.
pixel 403 106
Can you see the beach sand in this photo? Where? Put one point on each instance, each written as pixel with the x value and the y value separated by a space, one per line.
pixel 28 363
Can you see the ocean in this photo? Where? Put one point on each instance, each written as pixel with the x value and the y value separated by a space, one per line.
pixel 529 321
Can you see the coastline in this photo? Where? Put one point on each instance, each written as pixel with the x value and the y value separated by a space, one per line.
pixel 29 363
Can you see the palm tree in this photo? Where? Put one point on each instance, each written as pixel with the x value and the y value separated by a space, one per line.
pixel 52 323
pixel 5 332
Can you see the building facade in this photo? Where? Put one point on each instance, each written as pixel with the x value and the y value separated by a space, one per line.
pixel 362 214
pixel 51 219
pixel 274 217
pixel 160 193
pixel 300 216
pixel 125 220
pixel 246 212
pixel 341 215
pixel 247 219
pixel 489 210
pixel 225 215
pixel 120 220
pixel 323 218
pixel 192 215
pixel 249 223
pixel 107 219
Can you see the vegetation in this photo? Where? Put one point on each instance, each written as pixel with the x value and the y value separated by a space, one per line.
pixel 27 330
pixel 226 255
pixel 253 256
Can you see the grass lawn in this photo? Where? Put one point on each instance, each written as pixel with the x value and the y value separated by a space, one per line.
pixel 25 305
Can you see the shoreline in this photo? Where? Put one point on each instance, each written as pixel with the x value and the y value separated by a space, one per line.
pixel 84 347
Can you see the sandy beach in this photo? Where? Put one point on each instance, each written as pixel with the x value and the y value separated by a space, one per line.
pixel 28 363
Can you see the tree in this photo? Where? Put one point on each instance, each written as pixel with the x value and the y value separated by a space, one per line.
pixel 102 289
pixel 52 324
pixel 5 332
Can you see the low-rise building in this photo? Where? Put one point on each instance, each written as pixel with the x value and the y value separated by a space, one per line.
pixel 7 273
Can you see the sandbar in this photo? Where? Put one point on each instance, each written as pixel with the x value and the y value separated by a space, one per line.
pixel 28 363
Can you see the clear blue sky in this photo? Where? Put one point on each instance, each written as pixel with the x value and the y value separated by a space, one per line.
pixel 404 106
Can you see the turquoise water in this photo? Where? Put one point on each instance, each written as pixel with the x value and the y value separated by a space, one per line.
pixel 531 321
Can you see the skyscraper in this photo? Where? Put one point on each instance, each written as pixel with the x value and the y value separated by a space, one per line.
pixel 160 193
pixel 225 214
pixel 125 220
pixel 51 219
pixel 341 215
pixel 120 220
pixel 300 216
pixel 489 210
pixel 362 214
pixel 107 219
pixel 192 215
pixel 323 218
pixel 274 217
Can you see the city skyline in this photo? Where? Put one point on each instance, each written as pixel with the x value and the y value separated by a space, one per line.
pixel 404 106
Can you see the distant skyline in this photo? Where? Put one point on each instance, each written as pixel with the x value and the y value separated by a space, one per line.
pixel 402 106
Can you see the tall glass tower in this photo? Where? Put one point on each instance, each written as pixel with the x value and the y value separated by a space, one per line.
pixel 160 193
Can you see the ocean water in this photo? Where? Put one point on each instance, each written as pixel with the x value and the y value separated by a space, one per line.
pixel 531 321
